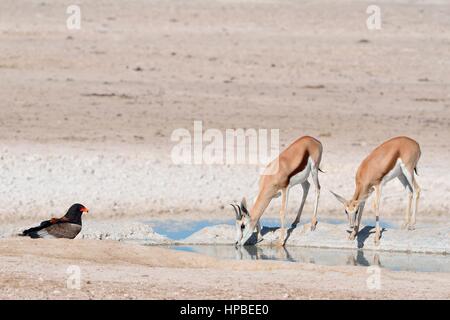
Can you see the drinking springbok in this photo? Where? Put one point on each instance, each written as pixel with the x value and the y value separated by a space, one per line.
pixel 395 158
pixel 293 166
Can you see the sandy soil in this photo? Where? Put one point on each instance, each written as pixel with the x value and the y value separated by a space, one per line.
pixel 114 270
pixel 86 116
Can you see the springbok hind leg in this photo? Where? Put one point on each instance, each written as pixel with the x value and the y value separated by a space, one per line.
pixel 305 186
pixel 409 175
pixel 412 220
pixel 315 177
pixel 409 190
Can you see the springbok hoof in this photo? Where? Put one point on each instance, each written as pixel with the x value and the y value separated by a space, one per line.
pixel 411 227
pixel 280 243
pixel 351 237
pixel 313 226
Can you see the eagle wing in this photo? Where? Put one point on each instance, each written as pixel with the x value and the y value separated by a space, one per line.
pixel 60 230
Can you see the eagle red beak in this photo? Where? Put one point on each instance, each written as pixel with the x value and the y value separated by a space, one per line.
pixel 84 210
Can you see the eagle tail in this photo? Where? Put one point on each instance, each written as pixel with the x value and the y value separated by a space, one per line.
pixel 33 232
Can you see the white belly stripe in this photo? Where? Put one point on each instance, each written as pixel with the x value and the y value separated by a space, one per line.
pixel 302 176
pixel 394 173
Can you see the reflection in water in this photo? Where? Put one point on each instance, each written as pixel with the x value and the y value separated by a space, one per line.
pixel 306 255
pixel 331 257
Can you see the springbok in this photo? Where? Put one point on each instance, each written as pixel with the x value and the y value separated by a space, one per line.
pixel 395 158
pixel 293 166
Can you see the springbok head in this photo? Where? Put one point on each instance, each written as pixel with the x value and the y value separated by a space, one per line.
pixel 351 208
pixel 242 219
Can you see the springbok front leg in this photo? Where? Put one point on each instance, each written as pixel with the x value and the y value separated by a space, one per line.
pixel 357 222
pixel 284 200
pixel 259 236
pixel 315 177
pixel 305 187
pixel 377 214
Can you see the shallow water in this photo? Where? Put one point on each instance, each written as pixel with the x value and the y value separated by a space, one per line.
pixel 330 257
pixel 178 230
pixel 397 261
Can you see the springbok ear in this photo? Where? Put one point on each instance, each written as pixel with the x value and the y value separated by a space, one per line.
pixel 340 199
pixel 244 206
pixel 237 210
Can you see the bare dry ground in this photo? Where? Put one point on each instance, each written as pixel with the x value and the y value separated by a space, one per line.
pixel 111 270
pixel 86 116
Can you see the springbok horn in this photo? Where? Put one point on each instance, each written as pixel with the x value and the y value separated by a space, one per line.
pixel 238 213
pixel 340 199
pixel 244 206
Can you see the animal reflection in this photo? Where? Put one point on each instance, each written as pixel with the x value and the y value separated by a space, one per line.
pixel 307 255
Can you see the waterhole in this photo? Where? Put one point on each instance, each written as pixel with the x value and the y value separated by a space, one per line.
pixel 397 261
